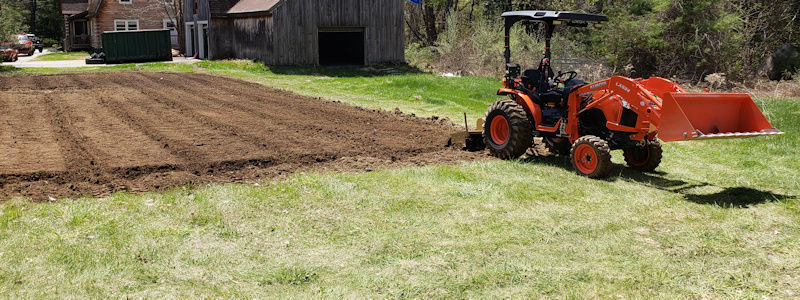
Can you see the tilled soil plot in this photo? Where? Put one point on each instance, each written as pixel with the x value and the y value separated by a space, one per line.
pixel 93 134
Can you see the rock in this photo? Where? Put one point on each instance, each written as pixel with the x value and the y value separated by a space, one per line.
pixel 784 62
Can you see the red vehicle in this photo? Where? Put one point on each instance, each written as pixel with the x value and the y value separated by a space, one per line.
pixel 8 53
pixel 25 44
pixel 586 121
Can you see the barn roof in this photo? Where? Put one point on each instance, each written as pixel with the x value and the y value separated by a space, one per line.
pixel 73 8
pixel 91 9
pixel 251 6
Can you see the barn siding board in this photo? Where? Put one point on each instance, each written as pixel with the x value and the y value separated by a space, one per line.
pixel 288 34
pixel 297 23
pixel 253 38
pixel 221 44
pixel 203 11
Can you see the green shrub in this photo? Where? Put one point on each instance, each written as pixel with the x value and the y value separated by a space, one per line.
pixel 476 47
pixel 420 56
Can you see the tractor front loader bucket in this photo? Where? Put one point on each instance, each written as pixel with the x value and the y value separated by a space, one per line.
pixel 697 116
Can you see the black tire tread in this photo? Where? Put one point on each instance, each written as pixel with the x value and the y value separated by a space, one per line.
pixel 656 153
pixel 603 156
pixel 520 130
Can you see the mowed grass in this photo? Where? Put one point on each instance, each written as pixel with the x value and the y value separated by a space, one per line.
pixel 62 56
pixel 721 219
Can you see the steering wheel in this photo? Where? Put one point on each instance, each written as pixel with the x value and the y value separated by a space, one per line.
pixel 572 75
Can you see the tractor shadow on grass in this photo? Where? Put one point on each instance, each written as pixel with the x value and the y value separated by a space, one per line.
pixel 727 197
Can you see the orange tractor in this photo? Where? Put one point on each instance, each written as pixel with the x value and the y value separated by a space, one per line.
pixel 588 120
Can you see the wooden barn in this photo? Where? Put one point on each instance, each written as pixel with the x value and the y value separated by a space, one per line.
pixel 288 32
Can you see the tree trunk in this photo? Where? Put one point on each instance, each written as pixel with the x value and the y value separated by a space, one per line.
pixel 429 18
pixel 33 17
pixel 471 10
pixel 180 26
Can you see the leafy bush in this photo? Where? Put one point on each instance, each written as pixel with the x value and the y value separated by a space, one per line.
pixel 476 48
pixel 420 56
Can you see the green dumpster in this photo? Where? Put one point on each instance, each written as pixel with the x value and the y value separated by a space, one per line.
pixel 137 46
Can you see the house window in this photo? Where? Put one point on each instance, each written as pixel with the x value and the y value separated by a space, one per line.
pixel 173 31
pixel 168 24
pixel 126 25
pixel 125 1
pixel 195 7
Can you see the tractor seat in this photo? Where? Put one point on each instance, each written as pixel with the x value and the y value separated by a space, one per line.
pixel 555 96
pixel 533 79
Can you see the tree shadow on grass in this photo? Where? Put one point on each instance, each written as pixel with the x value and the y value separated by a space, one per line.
pixel 728 197
pixel 347 71
pixel 7 69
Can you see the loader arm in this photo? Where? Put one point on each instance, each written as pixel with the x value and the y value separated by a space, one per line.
pixel 663 108
pixel 626 104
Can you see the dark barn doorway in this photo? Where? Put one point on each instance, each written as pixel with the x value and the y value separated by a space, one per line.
pixel 341 46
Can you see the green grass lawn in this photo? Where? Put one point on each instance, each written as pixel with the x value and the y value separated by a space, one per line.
pixel 62 56
pixel 721 219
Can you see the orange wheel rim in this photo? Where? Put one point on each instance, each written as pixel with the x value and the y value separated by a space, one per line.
pixel 638 159
pixel 499 130
pixel 585 159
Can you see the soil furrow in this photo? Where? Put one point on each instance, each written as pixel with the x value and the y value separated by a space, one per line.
pixel 306 115
pixel 96 133
pixel 221 114
pixel 78 153
pixel 141 117
pixel 323 113
pixel 193 108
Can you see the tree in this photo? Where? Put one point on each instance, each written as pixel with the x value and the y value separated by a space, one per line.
pixel 169 9
pixel 12 18
pixel 174 11
pixel 428 18
pixel 40 17
pixel 49 23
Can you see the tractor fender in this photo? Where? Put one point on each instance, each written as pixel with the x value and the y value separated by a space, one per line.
pixel 525 101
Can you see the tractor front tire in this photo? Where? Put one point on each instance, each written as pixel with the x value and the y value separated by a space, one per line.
pixel 591 157
pixel 644 158
pixel 507 130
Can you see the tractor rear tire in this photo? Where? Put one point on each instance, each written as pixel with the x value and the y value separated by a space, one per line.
pixel 591 157
pixel 507 131
pixel 644 158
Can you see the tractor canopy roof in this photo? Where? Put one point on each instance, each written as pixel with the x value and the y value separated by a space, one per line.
pixel 570 18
